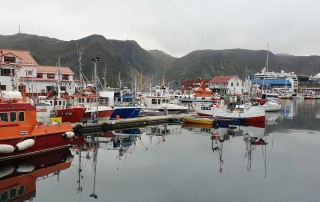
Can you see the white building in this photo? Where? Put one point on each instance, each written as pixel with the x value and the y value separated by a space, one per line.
pixel 226 84
pixel 18 67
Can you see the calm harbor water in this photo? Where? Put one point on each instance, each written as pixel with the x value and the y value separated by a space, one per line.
pixel 188 163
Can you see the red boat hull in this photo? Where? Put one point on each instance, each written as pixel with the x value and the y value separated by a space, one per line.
pixel 42 144
pixel 71 115
pixel 102 114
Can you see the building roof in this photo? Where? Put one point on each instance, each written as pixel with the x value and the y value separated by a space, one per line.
pixel 24 55
pixel 270 82
pixel 53 70
pixel 219 79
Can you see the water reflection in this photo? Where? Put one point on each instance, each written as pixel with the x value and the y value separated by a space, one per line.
pixel 18 178
pixel 253 138
pixel 158 133
pixel 169 161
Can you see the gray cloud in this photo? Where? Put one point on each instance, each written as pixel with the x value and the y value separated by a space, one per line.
pixel 176 26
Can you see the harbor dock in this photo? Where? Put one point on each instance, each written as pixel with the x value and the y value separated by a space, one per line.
pixel 117 124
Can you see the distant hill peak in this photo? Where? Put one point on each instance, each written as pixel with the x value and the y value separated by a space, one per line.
pixel 159 52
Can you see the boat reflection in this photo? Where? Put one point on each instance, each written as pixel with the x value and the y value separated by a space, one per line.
pixel 161 131
pixel 253 137
pixel 85 149
pixel 18 178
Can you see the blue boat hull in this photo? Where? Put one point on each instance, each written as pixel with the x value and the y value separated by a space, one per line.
pixel 125 112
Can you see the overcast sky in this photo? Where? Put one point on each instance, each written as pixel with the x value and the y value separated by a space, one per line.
pixel 176 27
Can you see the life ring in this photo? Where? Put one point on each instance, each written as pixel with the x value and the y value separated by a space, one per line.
pixel 247 106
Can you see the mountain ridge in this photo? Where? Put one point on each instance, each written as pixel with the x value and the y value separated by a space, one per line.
pixel 130 60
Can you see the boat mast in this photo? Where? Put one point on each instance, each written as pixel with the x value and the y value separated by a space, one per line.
pixel 59 74
pixel 105 78
pixel 222 90
pixel 95 61
pixel 80 53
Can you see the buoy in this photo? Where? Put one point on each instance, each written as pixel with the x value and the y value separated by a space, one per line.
pixel 26 144
pixel 25 167
pixel 68 134
pixel 6 170
pixel 217 105
pixel 118 116
pixel 6 148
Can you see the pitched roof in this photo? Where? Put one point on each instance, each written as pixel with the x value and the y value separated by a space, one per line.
pixel 53 70
pixel 219 79
pixel 24 55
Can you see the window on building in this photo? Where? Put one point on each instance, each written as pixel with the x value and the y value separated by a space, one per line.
pixel 39 75
pixel 50 76
pixel 237 84
pixel 231 84
pixel 7 72
pixel 65 77
pixel 9 59
pixel 3 87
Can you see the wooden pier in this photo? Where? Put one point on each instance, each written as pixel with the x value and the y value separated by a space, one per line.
pixel 117 124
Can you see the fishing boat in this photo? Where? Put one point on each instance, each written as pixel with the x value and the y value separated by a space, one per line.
pixel 59 107
pixel 162 103
pixel 198 120
pixel 124 108
pixel 21 134
pixel 18 179
pixel 271 106
pixel 96 106
pixel 245 113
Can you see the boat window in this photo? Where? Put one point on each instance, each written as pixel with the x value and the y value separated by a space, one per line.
pixel 13 116
pixel 4 196
pixel 4 116
pixel 21 116
pixel 154 101
pixel 21 191
pixel 13 193
pixel 159 101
